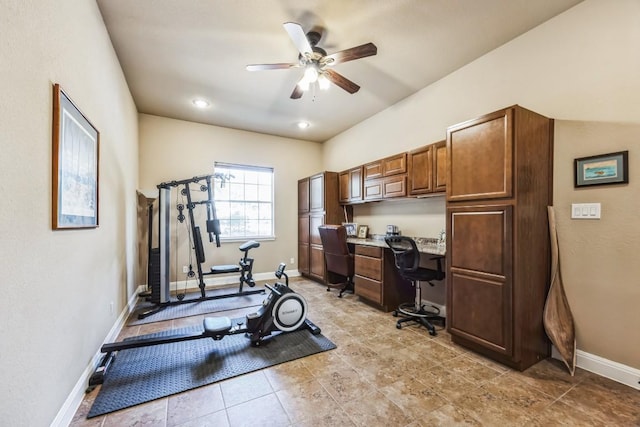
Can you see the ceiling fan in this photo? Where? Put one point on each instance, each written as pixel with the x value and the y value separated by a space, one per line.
pixel 315 61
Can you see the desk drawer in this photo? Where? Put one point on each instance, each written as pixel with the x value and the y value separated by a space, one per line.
pixel 368 267
pixel 368 289
pixel 372 251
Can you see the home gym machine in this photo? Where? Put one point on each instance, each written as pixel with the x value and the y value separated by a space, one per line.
pixel 282 311
pixel 159 258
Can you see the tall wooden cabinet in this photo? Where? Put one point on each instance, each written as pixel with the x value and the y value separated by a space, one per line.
pixel 499 183
pixel 317 204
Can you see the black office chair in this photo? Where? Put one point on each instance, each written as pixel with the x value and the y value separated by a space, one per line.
pixel 407 258
pixel 340 267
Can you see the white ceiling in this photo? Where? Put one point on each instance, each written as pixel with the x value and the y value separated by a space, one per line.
pixel 173 51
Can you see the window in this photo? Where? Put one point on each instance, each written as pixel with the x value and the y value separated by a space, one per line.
pixel 243 198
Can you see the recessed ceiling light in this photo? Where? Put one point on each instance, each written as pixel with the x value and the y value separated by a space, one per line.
pixel 303 125
pixel 201 103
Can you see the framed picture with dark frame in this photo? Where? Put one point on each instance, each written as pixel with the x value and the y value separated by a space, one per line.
pixel 604 169
pixel 351 228
pixel 76 148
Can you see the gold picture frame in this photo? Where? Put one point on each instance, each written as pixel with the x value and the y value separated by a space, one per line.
pixel 76 149
pixel 362 231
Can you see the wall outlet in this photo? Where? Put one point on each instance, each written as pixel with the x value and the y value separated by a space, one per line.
pixel 292 261
pixel 111 307
pixel 185 268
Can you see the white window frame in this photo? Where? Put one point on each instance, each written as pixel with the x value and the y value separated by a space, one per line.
pixel 237 188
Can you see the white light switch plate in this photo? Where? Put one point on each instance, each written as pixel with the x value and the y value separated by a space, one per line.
pixel 585 210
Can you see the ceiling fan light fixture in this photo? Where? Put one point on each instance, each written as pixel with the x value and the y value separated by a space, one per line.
pixel 323 82
pixel 311 74
pixel 303 125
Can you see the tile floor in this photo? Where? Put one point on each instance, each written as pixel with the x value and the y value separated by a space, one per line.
pixel 382 376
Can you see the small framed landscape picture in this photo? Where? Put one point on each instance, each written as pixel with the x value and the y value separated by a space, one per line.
pixel 362 232
pixel 612 168
pixel 352 228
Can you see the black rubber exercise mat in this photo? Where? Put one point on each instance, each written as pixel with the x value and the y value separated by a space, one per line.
pixel 144 374
pixel 186 309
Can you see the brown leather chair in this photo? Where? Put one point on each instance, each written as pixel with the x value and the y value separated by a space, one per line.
pixel 340 268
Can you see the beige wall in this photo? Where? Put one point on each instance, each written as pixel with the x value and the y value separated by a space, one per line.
pixel 57 286
pixel 176 150
pixel 577 66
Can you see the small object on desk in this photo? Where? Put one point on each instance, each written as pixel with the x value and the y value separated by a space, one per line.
pixel 393 230
pixel 362 231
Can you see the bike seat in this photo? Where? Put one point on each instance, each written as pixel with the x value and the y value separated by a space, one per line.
pixel 215 325
pixel 251 244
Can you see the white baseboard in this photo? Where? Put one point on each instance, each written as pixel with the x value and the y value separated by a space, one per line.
pixel 73 401
pixel 71 405
pixel 606 368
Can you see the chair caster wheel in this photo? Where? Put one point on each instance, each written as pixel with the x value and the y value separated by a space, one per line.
pixel 432 332
pixel 395 313
pixel 398 325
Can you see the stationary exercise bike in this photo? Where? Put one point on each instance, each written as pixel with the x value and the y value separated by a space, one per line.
pixel 282 311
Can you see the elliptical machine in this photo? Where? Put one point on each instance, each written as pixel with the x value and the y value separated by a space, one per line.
pixel 282 311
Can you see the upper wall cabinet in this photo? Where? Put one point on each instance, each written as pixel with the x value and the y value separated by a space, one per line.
pixel 351 185
pixel 480 158
pixel 427 169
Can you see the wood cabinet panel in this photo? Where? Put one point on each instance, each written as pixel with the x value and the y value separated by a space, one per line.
pixel 303 195
pixel 316 262
pixel 420 171
pixel 394 165
pixel 351 185
pixel 368 289
pixel 394 186
pixel 481 239
pixel 480 158
pixel 315 221
pixel 370 251
pixel 373 189
pixel 303 229
pixel 373 170
pixel 303 258
pixel 316 192
pixel 440 167
pixel 368 267
pixel 486 317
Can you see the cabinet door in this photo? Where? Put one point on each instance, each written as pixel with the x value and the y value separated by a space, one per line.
pixel 394 186
pixel 303 229
pixel 355 184
pixel 303 258
pixel 373 170
pixel 316 192
pixel 372 189
pixel 420 173
pixel 440 166
pixel 350 185
pixel 480 158
pixel 394 165
pixel 315 221
pixel 303 195
pixel 344 184
pixel 479 279
pixel 316 262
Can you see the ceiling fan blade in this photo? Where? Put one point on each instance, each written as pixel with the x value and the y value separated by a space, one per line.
pixel 362 51
pixel 261 67
pixel 341 81
pixel 298 37
pixel 297 93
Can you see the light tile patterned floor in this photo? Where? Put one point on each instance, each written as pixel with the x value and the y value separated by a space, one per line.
pixel 382 376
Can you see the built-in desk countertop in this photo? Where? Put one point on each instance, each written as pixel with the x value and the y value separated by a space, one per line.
pixel 425 244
